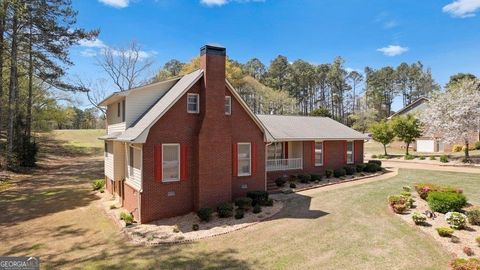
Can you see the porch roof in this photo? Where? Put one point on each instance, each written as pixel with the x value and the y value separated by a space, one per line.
pixel 305 128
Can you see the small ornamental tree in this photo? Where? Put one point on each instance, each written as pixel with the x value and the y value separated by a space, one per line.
pixel 454 113
pixel 382 132
pixel 407 129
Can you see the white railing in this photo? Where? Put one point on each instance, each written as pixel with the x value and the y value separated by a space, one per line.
pixel 284 164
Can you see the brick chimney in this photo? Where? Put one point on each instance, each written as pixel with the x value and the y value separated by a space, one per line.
pixel 214 140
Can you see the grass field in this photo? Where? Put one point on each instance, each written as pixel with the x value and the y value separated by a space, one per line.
pixel 54 214
pixel 375 148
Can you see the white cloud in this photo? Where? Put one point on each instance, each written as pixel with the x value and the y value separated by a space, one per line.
pixel 116 3
pixel 129 53
pixel 88 53
pixel 462 8
pixel 390 24
pixel 393 50
pixel 96 43
pixel 212 3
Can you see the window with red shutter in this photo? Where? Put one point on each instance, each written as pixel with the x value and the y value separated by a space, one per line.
pixel 157 160
pixel 254 158
pixel 234 160
pixel 183 162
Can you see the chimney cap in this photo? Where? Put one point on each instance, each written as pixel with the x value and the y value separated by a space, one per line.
pixel 213 50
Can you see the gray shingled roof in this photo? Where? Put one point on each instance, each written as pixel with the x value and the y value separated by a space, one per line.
pixel 300 128
pixel 138 131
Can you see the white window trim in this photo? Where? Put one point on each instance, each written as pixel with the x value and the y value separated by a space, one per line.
pixel 179 161
pixel 131 162
pixel 315 149
pixel 353 153
pixel 198 103
pixel 250 160
pixel 229 98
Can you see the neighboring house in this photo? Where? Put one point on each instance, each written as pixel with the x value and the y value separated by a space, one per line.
pixel 425 144
pixel 191 142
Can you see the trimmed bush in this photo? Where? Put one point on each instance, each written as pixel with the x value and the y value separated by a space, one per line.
pixel 350 170
pixel 456 220
pixel 477 145
pixel 280 181
pixel 409 157
pixel 474 216
pixel 257 209
pixel 444 202
pixel 433 158
pixel 465 264
pixel 478 240
pixel 304 178
pixel 378 162
pixel 360 167
pixel 421 158
pixel 204 214
pixel 373 156
pixel 225 210
pixel 244 203
pixel 293 185
pixel 407 188
pixel 269 202
pixel 328 173
pixel 371 168
pixel 258 197
pixel 239 213
pixel 457 148
pixel 399 203
pixel 195 227
pixel 419 218
pixel 339 173
pixel 406 193
pixel 98 184
pixel 444 231
pixel 127 217
pixel 316 177
pixel 424 188
pixel 444 158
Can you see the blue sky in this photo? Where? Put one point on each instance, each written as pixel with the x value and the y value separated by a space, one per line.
pixel 442 34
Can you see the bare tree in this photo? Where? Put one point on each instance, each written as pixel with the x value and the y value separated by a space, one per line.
pixel 95 92
pixel 125 66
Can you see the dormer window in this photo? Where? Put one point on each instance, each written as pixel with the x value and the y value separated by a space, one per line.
pixel 228 105
pixel 193 103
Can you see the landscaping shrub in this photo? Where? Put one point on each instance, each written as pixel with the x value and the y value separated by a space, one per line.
pixel 293 178
pixel 257 209
pixel 225 210
pixel 421 158
pixel 269 202
pixel 373 156
pixel 399 203
pixel 127 217
pixel 444 231
pixel 477 145
pixel 371 167
pixel 419 218
pixel 304 178
pixel 293 185
pixel 205 213
pixel 406 193
pixel 456 220
pixel 350 170
pixel 444 202
pixel 360 167
pixel 474 216
pixel 409 157
pixel 113 206
pixel 280 181
pixel 467 160
pixel 339 173
pixel 258 197
pixel 98 184
pixel 465 264
pixel 407 188
pixel 316 177
pixel 244 203
pixel 468 251
pixel 328 173
pixel 478 240
pixel 195 227
pixel 239 213
pixel 444 158
pixel 378 162
pixel 433 158
pixel 457 148
pixel 424 188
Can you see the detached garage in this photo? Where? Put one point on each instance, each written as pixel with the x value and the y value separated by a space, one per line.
pixel 429 146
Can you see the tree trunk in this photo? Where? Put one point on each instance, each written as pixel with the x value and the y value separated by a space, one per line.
pixel 408 146
pixel 467 152
pixel 2 30
pixel 385 149
pixel 28 120
pixel 13 91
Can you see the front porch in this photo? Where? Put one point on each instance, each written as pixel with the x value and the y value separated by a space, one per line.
pixel 283 156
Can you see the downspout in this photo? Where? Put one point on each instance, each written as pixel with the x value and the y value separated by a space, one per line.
pixel 139 204
pixel 266 158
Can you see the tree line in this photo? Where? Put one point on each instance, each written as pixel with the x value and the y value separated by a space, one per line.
pixel 35 38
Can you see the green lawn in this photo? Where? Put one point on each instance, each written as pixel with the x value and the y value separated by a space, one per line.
pixel 375 148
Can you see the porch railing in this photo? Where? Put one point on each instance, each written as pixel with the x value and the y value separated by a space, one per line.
pixel 284 164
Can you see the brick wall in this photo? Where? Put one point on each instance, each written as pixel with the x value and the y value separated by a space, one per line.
pixel 130 201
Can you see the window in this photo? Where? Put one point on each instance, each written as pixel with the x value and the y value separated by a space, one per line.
pixel 106 149
pixel 350 151
pixel 228 105
pixel 275 151
pixel 244 159
pixel 170 162
pixel 131 159
pixel 192 103
pixel 118 109
pixel 123 110
pixel 318 153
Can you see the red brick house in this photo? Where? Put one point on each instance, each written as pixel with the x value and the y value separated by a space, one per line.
pixel 190 142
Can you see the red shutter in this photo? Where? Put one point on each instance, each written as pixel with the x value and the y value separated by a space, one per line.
pixel 254 158
pixel 313 154
pixel 234 160
pixel 345 151
pixel 157 159
pixel 324 148
pixel 183 162
pixel 286 150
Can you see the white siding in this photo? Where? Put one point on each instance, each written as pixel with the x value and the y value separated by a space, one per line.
pixel 109 161
pixel 112 113
pixel 119 127
pixel 134 175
